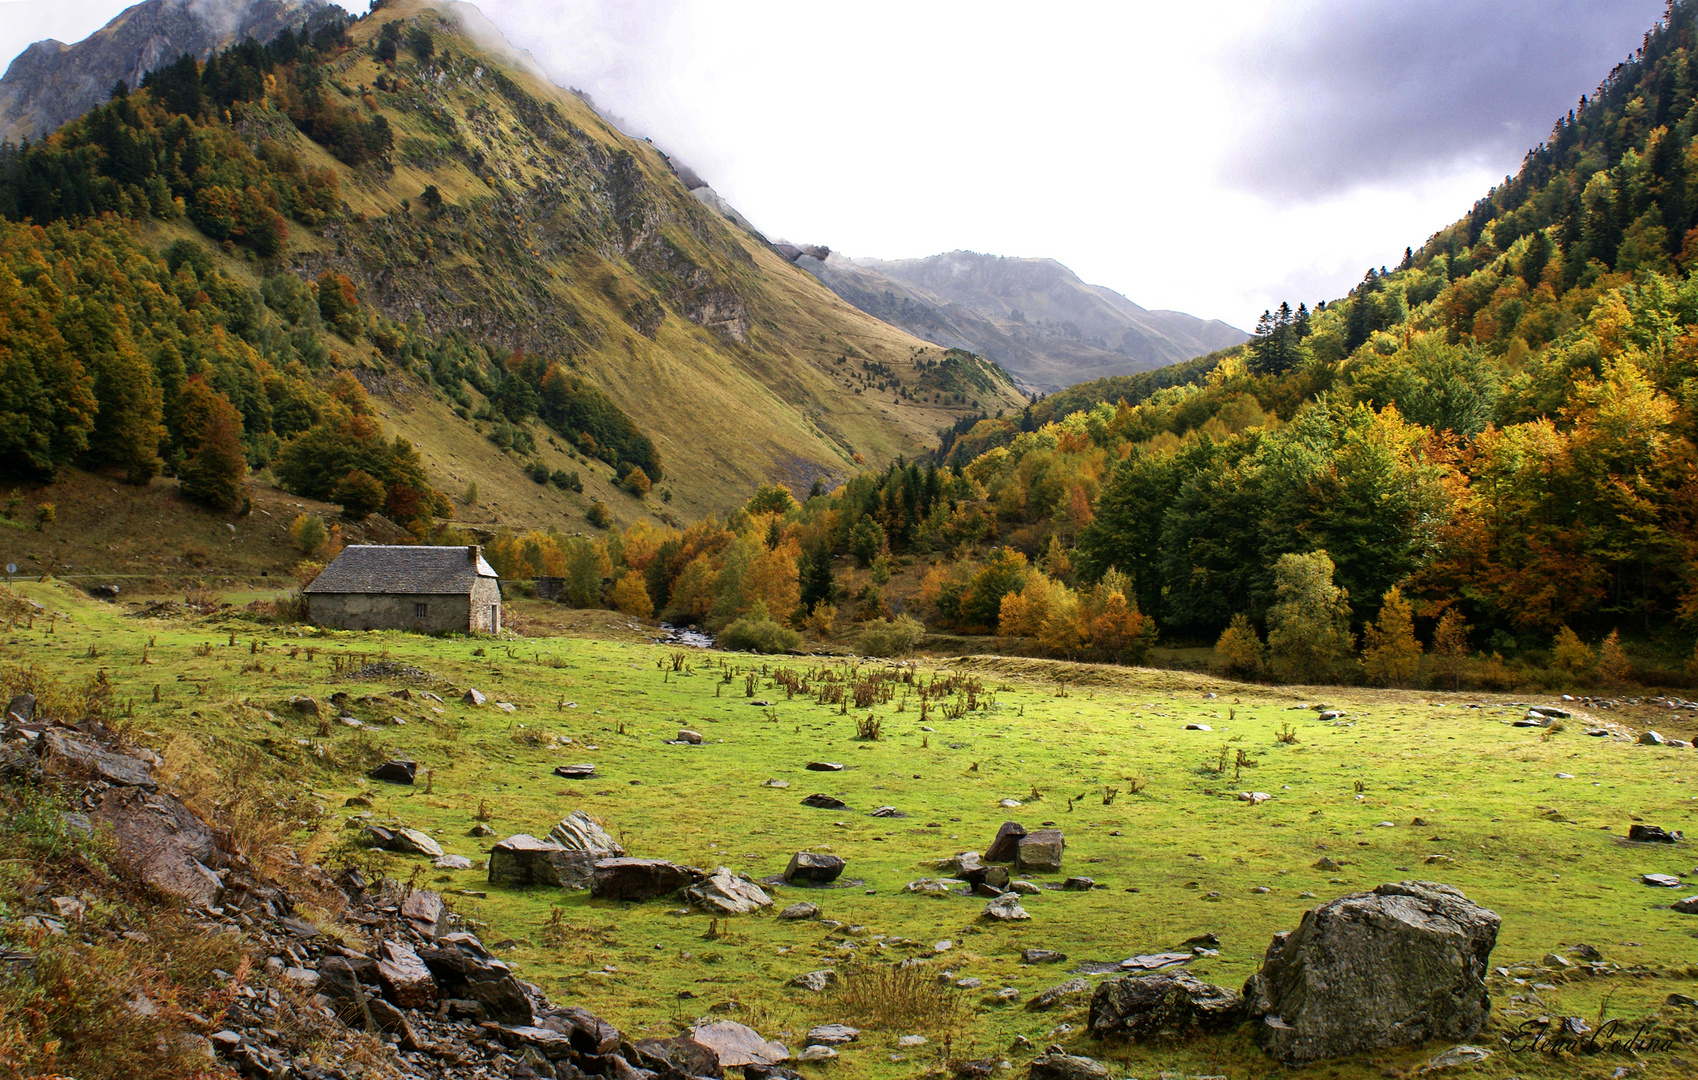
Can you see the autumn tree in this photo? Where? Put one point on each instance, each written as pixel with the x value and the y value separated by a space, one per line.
pixel 1613 668
pixel 631 596
pixel 1238 650
pixel 1450 648
pixel 1391 654
pixel 360 493
pixel 1309 626
pixel 308 533
pixel 214 471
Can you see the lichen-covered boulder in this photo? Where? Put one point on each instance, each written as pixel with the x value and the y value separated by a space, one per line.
pixel 1398 966
pixel 1140 1007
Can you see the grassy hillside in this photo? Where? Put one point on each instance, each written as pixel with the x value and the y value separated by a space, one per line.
pixel 1175 853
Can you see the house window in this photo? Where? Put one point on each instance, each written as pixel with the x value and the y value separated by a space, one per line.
pixel 420 610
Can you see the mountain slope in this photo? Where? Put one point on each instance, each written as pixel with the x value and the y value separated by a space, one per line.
pixel 1035 317
pixel 495 234
pixel 51 82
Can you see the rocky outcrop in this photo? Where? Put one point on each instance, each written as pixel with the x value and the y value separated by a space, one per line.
pixel 1395 967
pixel 163 843
pixel 1140 1007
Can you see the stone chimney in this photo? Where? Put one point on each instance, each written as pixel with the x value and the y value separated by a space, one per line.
pixel 472 553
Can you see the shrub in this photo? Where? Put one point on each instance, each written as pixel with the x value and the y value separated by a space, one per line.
pixel 45 515
pixel 894 997
pixel 470 496
pixel 759 635
pixel 308 532
pixel 637 482
pixel 1309 628
pixel 599 515
pixel 892 637
pixel 538 472
pixel 567 481
pixel 1238 650
pixel 1450 648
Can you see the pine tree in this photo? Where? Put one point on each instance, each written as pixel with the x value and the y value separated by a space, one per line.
pixel 817 585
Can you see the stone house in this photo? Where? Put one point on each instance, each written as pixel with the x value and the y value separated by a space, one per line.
pixel 407 587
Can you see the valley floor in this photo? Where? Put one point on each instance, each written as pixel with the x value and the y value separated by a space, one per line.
pixel 1529 822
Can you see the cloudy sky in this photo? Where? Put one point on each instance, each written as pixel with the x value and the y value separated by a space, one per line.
pixel 1211 158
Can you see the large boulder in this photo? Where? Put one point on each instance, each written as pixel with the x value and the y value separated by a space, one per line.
pixel 813 868
pixel 1140 1007
pixel 737 1044
pixel 162 842
pixel 525 860
pixel 640 879
pixel 680 1054
pixel 1007 842
pixel 724 893
pixel 578 831
pixel 1398 966
pixel 1039 852
pixel 464 969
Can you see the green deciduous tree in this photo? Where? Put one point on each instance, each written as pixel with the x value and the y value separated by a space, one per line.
pixel 1309 625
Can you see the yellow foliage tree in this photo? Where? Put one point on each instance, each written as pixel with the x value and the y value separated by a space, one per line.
pixel 1391 654
pixel 1450 648
pixel 1613 668
pixel 1238 650
pixel 1569 653
pixel 631 596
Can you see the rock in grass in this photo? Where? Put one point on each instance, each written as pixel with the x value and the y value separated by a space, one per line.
pixel 1070 990
pixel 677 1055
pixel 1455 1057
pixel 1689 906
pixel 815 980
pixel 578 831
pixel 832 1034
pixel 1661 881
pixel 1007 843
pixel 817 1053
pixel 933 886
pixel 1042 956
pixel 724 893
pixel 1198 727
pixel 1398 966
pixel 738 1045
pixel 1651 834
pixel 640 879
pixel 453 862
pixel 303 704
pixel 1006 908
pixel 825 802
pixel 693 738
pixel 582 771
pixel 473 697
pixel 1056 1065
pixel 800 911
pixel 1651 738
pixel 1140 1007
pixel 1024 888
pixel 814 867
pixel 396 771
pixel 1040 852
pixel 414 842
pixel 1078 884
pixel 967 866
pixel 823 766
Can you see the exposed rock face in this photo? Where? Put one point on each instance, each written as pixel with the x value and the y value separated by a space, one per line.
pixel 465 969
pixel 66 754
pixel 640 879
pixel 813 867
pixel 724 893
pixel 1398 966
pixel 162 842
pixel 51 82
pixel 1140 1007
pixel 406 980
pixel 679 1054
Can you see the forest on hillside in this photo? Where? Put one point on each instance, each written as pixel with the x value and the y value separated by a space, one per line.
pixel 117 356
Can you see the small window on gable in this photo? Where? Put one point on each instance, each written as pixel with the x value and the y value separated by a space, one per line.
pixel 420 610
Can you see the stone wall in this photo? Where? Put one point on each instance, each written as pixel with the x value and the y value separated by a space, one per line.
pixel 395 611
pixel 486 606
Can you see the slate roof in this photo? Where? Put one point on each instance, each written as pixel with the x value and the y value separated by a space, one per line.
pixel 402 568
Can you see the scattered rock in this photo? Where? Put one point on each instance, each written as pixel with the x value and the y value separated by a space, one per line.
pixel 1662 881
pixel 887 812
pixel 934 886
pixel 303 704
pixel 1651 834
pixel 1689 906
pixel 1006 908
pixel 724 893
pixel 640 879
pixel 1326 864
pixel 815 980
pixel 1059 1065
pixel 473 697
pixel 1041 956
pixel 693 738
pixel 824 802
pixel 1006 846
pixel 396 771
pixel 426 913
pixel 1039 852
pixel 1078 884
pixel 1154 961
pixel 579 832
pixel 1398 966
pixel 833 1034
pixel 679 1055
pixel 823 766
pixel 814 867
pixel 1140 1007
pixel 525 860
pixel 1651 738
pixel 414 842
pixel 1254 798
pixel 911 1040
pixel 1198 727
pixel 1024 888
pixel 453 862
pixel 967 866
pixel 1056 995
pixel 817 1053
pixel 480 829
pixel 581 771
pixel 1456 1056
pixel 800 911
pixel 775 783
pixel 1009 804
pixel 737 1045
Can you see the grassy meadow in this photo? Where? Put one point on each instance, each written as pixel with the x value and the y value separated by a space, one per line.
pixel 1400 778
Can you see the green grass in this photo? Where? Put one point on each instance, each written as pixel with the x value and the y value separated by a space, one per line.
pixel 1530 846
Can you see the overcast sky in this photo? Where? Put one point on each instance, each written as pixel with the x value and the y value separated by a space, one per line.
pixel 1212 158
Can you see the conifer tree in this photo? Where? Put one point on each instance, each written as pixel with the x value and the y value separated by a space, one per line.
pixel 1391 654
pixel 1450 648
